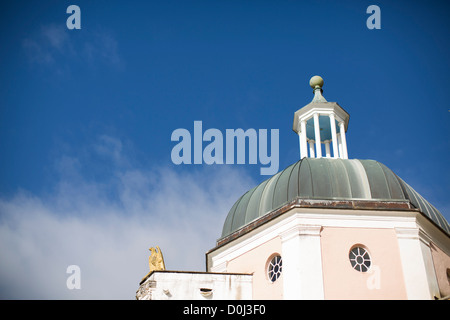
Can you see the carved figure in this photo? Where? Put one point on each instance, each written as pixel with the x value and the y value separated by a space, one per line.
pixel 156 261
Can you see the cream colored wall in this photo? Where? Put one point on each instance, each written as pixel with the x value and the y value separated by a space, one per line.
pixel 441 263
pixel 384 280
pixel 255 261
pixel 178 285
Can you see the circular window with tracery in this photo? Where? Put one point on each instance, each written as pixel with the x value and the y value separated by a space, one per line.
pixel 360 259
pixel 274 269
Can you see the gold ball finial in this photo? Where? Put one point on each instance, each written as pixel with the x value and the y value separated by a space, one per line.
pixel 316 82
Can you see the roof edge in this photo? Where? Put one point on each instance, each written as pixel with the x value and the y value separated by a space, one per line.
pixel 363 204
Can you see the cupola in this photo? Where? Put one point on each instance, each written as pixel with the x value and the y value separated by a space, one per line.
pixel 321 126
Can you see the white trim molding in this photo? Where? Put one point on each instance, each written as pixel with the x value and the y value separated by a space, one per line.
pixel 418 271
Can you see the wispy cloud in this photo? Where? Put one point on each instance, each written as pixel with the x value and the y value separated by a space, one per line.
pixel 54 44
pixel 46 45
pixel 108 237
pixel 102 46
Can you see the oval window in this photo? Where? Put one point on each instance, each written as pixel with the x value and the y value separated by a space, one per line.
pixel 360 259
pixel 275 267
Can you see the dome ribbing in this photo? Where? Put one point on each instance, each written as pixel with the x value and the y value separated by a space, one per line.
pixel 327 179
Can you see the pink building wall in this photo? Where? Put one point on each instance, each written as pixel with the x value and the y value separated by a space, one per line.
pixel 384 280
pixel 441 262
pixel 255 261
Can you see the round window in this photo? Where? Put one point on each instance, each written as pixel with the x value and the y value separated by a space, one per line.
pixel 274 268
pixel 360 259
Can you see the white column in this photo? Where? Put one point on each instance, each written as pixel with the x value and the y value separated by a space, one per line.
pixel 311 148
pixel 343 140
pixel 425 245
pixel 302 152
pixel 327 148
pixel 302 263
pixel 340 146
pixel 414 269
pixel 333 136
pixel 303 142
pixel 317 135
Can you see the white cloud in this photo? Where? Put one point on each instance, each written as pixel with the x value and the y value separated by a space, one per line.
pixel 47 44
pixel 107 236
pixel 54 44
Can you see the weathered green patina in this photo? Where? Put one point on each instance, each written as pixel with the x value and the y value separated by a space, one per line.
pixel 327 179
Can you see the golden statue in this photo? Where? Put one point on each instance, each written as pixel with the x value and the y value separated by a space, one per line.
pixel 155 261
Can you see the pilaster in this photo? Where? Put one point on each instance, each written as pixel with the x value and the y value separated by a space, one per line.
pixel 302 263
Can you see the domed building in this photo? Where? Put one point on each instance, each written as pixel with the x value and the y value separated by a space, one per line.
pixel 326 227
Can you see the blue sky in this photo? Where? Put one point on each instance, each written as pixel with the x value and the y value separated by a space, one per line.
pixel 86 115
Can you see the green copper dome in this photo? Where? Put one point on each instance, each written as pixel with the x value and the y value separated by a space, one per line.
pixel 327 179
